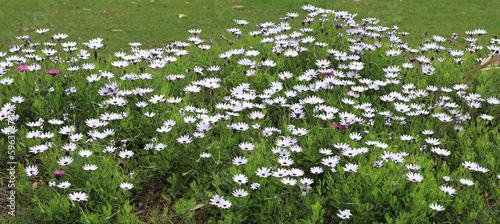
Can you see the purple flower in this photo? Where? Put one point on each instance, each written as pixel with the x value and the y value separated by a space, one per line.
pixel 58 174
pixel 22 68
pixel 341 127
pixel 53 72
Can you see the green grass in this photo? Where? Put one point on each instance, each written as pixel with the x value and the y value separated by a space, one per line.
pixel 154 24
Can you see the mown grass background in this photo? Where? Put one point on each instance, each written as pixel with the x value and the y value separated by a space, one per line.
pixel 156 23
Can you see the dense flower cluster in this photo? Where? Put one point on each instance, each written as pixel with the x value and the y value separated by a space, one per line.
pixel 337 68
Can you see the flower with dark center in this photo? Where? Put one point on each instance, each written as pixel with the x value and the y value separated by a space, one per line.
pixel 58 174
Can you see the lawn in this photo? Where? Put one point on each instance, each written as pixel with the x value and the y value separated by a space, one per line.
pixel 184 113
pixel 157 23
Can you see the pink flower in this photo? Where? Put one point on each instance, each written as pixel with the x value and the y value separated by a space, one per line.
pixel 58 174
pixel 449 41
pixel 341 127
pixel 53 72
pixel 412 59
pixel 22 68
